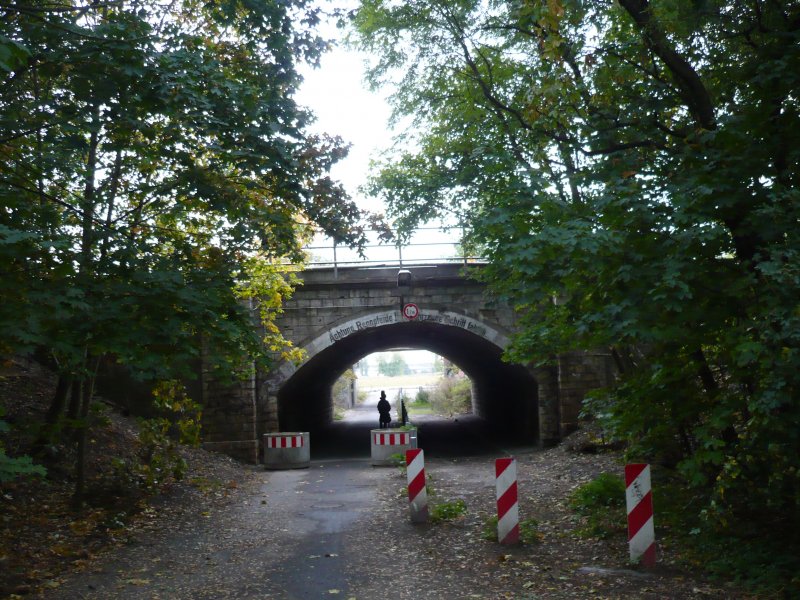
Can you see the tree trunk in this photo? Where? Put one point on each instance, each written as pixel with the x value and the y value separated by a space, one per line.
pixel 56 410
pixel 81 437
pixel 86 393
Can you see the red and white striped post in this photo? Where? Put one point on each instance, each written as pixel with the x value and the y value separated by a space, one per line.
pixel 639 501
pixel 507 504
pixel 417 492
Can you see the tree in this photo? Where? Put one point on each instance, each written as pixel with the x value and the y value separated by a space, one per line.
pixel 393 367
pixel 632 169
pixel 156 172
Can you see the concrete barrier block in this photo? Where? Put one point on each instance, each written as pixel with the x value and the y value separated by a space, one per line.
pixel 387 442
pixel 287 450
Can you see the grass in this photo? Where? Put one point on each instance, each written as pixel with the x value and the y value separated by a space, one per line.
pixel 418 408
pixel 528 530
pixel 601 504
pixel 447 511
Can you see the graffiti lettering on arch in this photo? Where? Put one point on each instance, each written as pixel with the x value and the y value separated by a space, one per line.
pixel 454 320
pixel 390 317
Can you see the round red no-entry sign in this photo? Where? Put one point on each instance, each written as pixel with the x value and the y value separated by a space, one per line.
pixel 410 311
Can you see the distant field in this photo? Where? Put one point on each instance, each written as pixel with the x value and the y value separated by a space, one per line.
pixel 409 381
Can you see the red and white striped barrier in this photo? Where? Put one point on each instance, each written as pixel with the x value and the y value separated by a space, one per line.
pixel 386 444
pixel 507 504
pixel 287 450
pixel 639 501
pixel 417 492
pixel 285 441
pixel 392 439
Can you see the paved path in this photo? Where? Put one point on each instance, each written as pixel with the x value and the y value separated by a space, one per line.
pixel 282 539
pixel 463 435
pixel 288 535
pixel 339 530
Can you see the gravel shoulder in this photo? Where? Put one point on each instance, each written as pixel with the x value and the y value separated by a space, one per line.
pixel 250 541
pixel 454 560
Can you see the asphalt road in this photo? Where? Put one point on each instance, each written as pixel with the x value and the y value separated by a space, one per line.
pixel 339 530
pixel 284 537
pixel 464 435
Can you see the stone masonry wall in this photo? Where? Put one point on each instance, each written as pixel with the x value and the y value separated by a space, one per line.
pixel 578 374
pixel 229 417
pixel 236 417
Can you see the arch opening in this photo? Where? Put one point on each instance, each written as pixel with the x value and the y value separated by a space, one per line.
pixel 504 395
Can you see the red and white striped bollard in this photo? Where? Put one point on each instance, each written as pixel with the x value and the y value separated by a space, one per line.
pixel 417 492
pixel 639 502
pixel 507 504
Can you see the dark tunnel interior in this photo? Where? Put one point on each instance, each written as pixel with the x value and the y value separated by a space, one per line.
pixel 504 395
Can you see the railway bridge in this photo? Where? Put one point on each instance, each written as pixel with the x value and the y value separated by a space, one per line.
pixel 340 315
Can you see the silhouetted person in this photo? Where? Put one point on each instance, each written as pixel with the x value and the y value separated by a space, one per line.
pixel 403 412
pixel 384 410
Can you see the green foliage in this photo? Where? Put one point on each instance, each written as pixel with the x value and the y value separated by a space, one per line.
pixel 528 530
pixel 19 466
pixel 766 566
pixel 755 565
pixel 156 173
pixel 394 367
pixel 421 404
pixel 452 396
pixel 423 397
pixel 447 511
pixel 156 178
pixel 631 170
pixel 399 460
pixel 341 389
pixel 184 414
pixel 601 503
pixel 159 460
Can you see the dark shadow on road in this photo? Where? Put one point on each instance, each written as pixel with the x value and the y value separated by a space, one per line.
pixel 463 435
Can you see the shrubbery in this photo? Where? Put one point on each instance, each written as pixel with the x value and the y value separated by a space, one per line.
pixel 452 396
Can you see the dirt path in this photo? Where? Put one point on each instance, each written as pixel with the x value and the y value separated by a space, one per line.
pixel 340 530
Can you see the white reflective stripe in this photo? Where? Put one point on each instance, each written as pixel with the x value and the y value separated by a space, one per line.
pixel 643 539
pixel 507 522
pixel 506 479
pixel 637 489
pixel 420 500
pixel 415 467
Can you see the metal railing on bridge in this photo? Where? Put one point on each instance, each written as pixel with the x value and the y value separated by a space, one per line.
pixel 426 246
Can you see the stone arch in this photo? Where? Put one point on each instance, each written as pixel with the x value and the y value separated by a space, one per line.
pixel 504 394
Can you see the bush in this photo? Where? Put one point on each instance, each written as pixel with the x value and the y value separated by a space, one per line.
pixel 159 460
pixel 452 396
pixel 423 397
pixel 341 390
pixel 601 503
pixel 14 467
